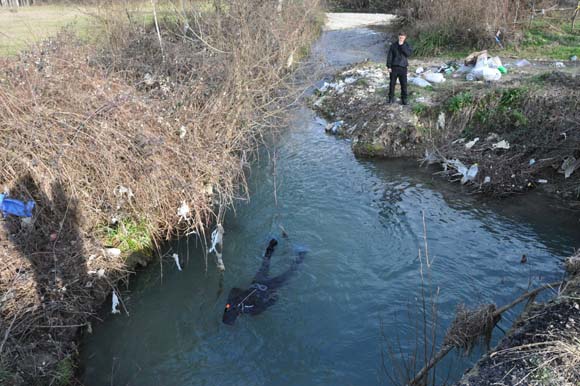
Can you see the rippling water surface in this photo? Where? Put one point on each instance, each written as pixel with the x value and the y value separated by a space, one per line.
pixel 358 288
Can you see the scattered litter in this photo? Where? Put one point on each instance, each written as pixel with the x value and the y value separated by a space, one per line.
pixel 471 174
pixel 559 64
pixel 350 80
pixel 123 190
pixel 217 240
pixel 148 79
pixel 491 74
pixel 16 207
pixel 183 211
pixel 487 180
pixel 492 137
pixel 419 82
pixel 468 174
pixel 573 58
pixel 474 57
pixel 419 70
pixel 115 306
pixel 503 144
pixel 113 252
pixel 430 157
pixel 502 70
pixel 182 132
pixel 542 181
pixel 434 78
pixel 569 165
pixel 101 273
pixel 470 144
pixel 523 63
pixel 176 258
pixel 463 69
pixel 532 161
pixel 441 121
pixel 470 76
pixel 458 140
pixel 494 62
pixel 334 127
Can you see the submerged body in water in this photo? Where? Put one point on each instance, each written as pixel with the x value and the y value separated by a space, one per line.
pixel 262 293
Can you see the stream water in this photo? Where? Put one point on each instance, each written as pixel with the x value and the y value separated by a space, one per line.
pixel 357 291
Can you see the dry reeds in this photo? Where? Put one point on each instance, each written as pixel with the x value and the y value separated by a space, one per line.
pixel 129 130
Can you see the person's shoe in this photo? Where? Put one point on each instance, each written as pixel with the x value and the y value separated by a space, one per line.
pixel 391 101
pixel 404 102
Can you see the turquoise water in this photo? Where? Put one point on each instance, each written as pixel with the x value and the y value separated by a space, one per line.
pixel 357 291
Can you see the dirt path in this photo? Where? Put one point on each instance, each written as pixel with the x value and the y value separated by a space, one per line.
pixel 335 21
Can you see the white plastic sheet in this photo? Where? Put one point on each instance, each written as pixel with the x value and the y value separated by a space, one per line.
pixel 176 258
pixel 434 78
pixel 115 304
pixel 217 240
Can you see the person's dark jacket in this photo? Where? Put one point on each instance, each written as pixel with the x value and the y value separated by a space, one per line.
pixel 398 54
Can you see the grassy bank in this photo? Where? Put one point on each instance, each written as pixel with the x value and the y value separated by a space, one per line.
pixel 138 136
pixel 24 26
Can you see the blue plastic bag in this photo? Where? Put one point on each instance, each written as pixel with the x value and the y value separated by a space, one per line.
pixel 15 207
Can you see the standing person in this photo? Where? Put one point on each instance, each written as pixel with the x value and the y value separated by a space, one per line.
pixel 397 64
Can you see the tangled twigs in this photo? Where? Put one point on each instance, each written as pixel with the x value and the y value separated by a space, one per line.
pixel 479 321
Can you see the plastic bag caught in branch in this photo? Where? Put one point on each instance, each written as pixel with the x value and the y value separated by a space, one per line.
pixel 115 306
pixel 217 237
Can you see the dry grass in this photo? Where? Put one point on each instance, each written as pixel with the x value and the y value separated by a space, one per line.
pixel 133 130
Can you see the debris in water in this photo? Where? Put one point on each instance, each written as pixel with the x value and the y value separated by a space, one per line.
pixel 334 127
pixel 217 240
pixel 115 306
pixel 524 259
pixel 176 258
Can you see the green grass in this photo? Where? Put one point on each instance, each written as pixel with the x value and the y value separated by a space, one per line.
pixel 27 25
pixel 549 40
pixel 544 39
pixel 21 27
pixel 459 101
pixel 65 371
pixel 129 236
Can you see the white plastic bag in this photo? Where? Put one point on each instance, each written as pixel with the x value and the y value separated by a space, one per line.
pixel 491 74
pixel 217 239
pixel 434 78
pixel 419 82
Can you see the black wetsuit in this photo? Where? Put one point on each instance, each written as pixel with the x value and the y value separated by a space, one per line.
pixel 262 293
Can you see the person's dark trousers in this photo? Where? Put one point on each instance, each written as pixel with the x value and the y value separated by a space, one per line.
pixel 401 74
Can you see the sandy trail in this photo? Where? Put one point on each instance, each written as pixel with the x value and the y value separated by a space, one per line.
pixel 335 21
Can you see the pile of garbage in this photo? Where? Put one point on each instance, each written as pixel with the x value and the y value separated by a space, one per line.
pixel 477 66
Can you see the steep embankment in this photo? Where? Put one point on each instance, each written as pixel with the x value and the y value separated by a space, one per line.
pixel 121 145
